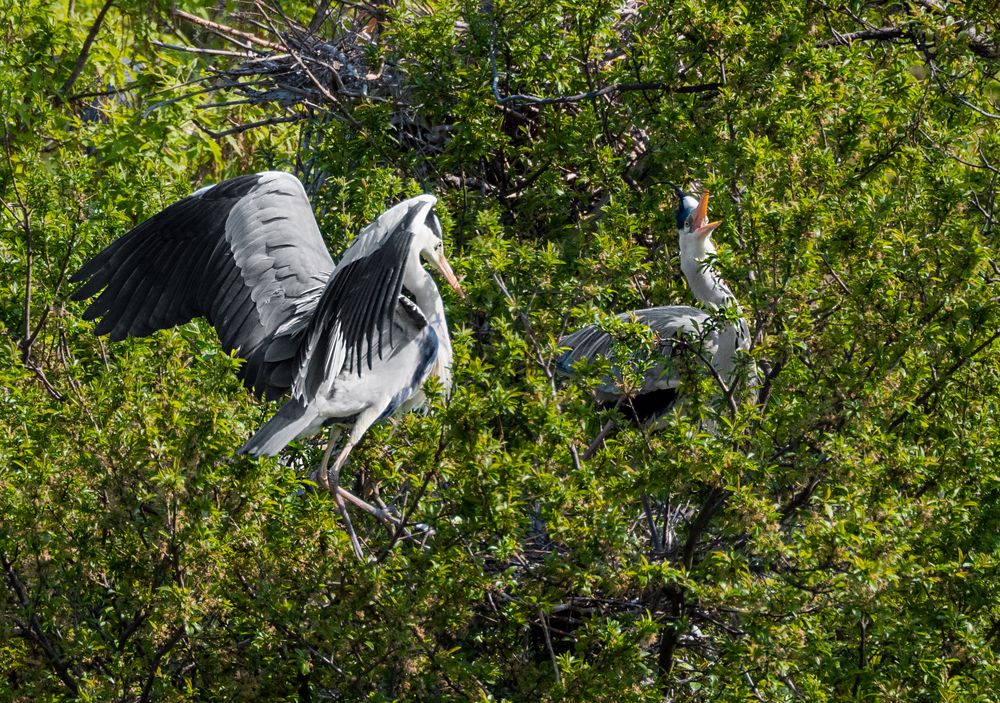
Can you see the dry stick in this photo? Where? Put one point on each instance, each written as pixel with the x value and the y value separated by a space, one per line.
pixel 81 60
pixel 249 125
pixel 223 29
pixel 322 88
pixel 319 17
pixel 37 370
pixel 206 52
pixel 548 645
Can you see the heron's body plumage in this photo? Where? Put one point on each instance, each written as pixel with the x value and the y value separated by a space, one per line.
pixel 676 328
pixel 343 339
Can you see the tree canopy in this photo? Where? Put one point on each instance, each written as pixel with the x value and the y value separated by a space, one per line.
pixel 831 534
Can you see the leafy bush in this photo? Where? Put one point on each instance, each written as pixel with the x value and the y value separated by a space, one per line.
pixel 835 537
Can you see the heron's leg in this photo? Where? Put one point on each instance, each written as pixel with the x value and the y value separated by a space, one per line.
pixel 363 421
pixel 330 480
pixel 322 477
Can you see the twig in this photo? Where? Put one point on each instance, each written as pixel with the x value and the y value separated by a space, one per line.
pixel 223 29
pixel 723 386
pixel 81 60
pixel 25 221
pixel 528 329
pixel 37 370
pixel 34 630
pixel 548 646
pixel 936 385
pixel 601 436
pixel 205 52
pixel 880 34
pixel 600 92
pixel 163 103
pixel 715 500
pixel 161 652
pixel 250 125
pixel 312 77
pixel 654 534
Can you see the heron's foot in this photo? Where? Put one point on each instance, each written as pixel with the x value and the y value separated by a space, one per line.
pixel 420 531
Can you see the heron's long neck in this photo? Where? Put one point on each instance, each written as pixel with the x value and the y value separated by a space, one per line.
pixel 713 292
pixel 706 284
pixel 425 291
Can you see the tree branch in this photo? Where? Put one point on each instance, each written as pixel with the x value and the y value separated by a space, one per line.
pixel 34 630
pixel 934 387
pixel 880 34
pixel 226 31
pixel 81 60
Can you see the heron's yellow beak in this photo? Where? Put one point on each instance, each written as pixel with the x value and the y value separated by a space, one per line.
pixel 445 268
pixel 701 214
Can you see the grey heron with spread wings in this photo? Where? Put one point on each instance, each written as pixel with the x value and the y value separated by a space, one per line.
pixel 716 341
pixel 343 339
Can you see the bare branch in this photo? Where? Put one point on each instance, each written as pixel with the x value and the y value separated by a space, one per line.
pixel 250 125
pixel 224 30
pixel 204 52
pixel 880 34
pixel 34 630
pixel 943 378
pixel 81 60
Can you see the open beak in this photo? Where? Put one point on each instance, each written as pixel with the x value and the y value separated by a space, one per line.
pixel 701 214
pixel 445 268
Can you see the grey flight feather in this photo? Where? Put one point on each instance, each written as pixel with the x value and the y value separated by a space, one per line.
pixel 246 254
pixel 350 327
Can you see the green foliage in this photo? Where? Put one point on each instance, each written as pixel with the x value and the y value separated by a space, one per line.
pixel 833 538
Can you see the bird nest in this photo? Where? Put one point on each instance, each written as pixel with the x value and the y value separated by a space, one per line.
pixel 260 56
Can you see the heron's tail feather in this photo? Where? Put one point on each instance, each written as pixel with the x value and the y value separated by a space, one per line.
pixel 294 419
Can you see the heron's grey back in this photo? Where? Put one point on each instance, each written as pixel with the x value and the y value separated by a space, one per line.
pixel 670 323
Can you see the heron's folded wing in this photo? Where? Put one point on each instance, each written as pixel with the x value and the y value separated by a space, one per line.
pixel 246 254
pixel 591 342
pixel 668 322
pixel 352 322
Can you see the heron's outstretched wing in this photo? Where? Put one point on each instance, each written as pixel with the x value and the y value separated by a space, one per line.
pixel 353 318
pixel 246 254
pixel 670 323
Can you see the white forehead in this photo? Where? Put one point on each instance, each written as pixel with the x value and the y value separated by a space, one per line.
pixel 690 203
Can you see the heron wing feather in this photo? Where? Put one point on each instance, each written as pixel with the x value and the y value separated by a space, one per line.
pixel 668 322
pixel 243 253
pixel 358 302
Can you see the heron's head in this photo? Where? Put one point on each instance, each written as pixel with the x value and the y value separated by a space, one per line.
pixel 430 243
pixel 693 228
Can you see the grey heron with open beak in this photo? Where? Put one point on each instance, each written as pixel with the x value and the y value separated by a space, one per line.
pixel 676 328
